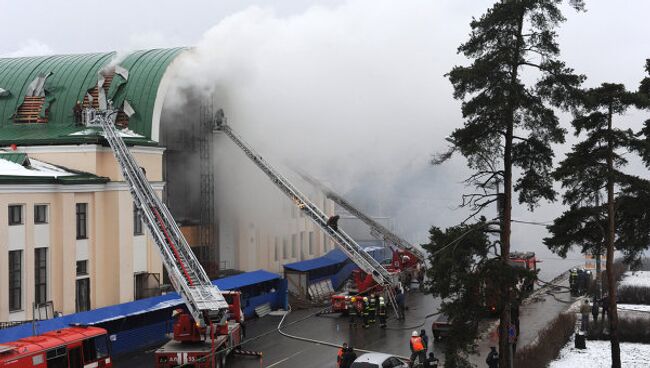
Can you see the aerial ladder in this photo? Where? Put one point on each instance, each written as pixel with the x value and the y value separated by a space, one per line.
pixel 204 301
pixel 355 252
pixel 377 230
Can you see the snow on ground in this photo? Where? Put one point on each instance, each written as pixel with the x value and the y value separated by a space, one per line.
pixel 38 168
pixel 634 307
pixel 635 278
pixel 598 355
pixel 125 133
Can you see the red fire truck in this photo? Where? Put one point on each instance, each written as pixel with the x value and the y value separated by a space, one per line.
pixel 203 348
pixel 73 347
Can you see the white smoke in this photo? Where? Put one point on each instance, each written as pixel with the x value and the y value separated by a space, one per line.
pixel 354 94
pixel 31 47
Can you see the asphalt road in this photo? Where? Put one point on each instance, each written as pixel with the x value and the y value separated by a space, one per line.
pixel 280 351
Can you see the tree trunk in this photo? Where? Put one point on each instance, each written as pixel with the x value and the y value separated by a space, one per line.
pixel 611 232
pixel 505 351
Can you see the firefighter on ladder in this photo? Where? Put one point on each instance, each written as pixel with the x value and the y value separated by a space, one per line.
pixel 381 312
pixel 366 312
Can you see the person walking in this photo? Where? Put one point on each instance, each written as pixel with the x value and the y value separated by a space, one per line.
pixel 595 310
pixel 339 355
pixel 417 349
pixel 584 312
pixel 492 359
pixel 400 304
pixel 605 303
pixel 425 339
pixel 349 356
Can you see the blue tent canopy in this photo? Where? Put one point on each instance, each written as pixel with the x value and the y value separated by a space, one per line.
pixel 333 257
pixel 137 307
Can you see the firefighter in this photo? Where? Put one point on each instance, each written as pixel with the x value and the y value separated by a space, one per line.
pixel 573 281
pixel 352 310
pixel 366 312
pixel 381 311
pixel 417 349
pixel 333 222
pixel 372 309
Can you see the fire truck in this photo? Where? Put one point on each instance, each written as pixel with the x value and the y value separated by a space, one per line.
pixel 209 328
pixel 523 260
pixel 72 347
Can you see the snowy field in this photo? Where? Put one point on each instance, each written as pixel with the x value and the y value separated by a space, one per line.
pixel 635 278
pixel 598 355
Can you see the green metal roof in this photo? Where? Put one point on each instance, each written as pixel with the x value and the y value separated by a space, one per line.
pixel 15 157
pixel 65 180
pixel 73 76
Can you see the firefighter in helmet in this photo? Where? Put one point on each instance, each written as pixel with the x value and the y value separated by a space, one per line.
pixel 381 312
pixel 366 312
pixel 372 309
pixel 352 310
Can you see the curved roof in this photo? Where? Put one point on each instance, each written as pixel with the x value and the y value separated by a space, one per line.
pixel 72 77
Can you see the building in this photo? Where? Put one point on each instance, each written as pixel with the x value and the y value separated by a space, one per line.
pixel 68 231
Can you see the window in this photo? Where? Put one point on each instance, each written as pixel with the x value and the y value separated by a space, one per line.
pixel 285 250
pixel 15 280
pixel 83 294
pixel 294 240
pixel 82 217
pixel 137 222
pixel 311 243
pixel 95 348
pixel 146 285
pixel 82 268
pixel 40 214
pixel 16 214
pixel 302 245
pixel 40 275
pixel 277 250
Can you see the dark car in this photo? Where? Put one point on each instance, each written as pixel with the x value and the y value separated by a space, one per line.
pixel 441 326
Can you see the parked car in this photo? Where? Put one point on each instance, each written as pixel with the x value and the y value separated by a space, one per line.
pixel 378 360
pixel 441 326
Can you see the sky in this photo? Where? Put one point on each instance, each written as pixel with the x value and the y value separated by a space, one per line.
pixel 352 91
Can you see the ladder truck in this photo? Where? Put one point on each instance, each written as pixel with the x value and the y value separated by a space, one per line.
pixel 377 230
pixel 385 280
pixel 212 327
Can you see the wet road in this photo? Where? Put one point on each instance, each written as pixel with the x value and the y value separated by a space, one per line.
pixel 280 351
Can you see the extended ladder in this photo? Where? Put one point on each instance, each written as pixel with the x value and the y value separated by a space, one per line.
pixel 376 229
pixel 355 252
pixel 203 299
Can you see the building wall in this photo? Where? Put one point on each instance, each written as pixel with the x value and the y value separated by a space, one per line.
pixel 113 252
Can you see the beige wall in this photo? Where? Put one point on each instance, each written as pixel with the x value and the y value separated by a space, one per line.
pixel 110 244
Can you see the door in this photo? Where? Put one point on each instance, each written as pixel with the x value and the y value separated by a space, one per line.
pixel 74 357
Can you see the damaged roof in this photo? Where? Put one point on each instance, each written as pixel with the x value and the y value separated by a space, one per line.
pixel 72 77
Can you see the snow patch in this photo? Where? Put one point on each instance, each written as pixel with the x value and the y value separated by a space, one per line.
pixel 37 168
pixel 598 355
pixel 125 133
pixel 634 307
pixel 635 279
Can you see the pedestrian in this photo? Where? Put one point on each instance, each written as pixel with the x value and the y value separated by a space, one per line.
pixel 76 111
pixel 399 299
pixel 432 361
pixel 420 274
pixel 512 338
pixel 339 355
pixel 381 312
pixel 605 303
pixel 584 312
pixel 492 359
pixel 425 339
pixel 417 349
pixel 514 315
pixel 349 356
pixel 595 310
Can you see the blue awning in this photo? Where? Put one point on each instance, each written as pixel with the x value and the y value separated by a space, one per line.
pixel 245 279
pixel 333 257
pixel 134 308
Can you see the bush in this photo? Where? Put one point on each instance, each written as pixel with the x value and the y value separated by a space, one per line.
pixel 548 344
pixel 629 330
pixel 633 295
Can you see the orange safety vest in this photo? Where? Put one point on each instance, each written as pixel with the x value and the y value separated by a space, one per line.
pixel 416 343
pixel 339 357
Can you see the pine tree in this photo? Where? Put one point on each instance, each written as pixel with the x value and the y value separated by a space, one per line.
pixel 595 166
pixel 509 123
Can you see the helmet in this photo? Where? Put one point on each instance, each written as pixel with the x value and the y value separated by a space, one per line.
pixel 381 298
pixel 365 298
pixel 353 299
pixel 415 333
